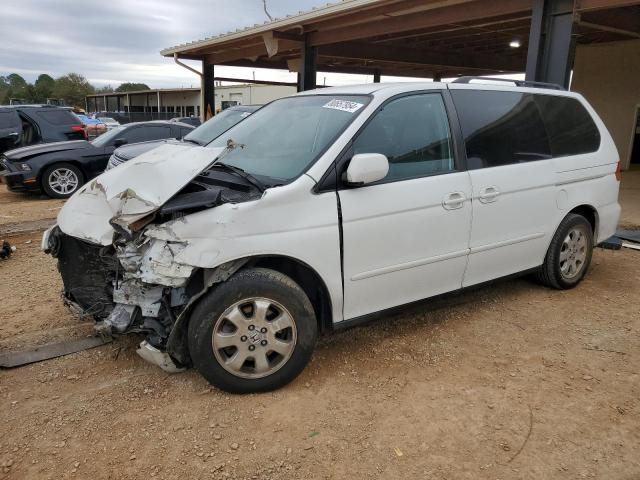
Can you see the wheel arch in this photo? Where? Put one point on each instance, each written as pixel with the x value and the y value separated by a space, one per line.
pixel 307 278
pixel 585 210
pixel 590 213
pixel 300 272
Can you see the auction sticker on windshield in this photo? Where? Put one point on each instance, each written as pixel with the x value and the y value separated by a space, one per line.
pixel 343 105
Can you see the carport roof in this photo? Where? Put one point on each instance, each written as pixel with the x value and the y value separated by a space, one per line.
pixel 408 37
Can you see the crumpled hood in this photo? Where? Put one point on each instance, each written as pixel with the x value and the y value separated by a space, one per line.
pixel 132 191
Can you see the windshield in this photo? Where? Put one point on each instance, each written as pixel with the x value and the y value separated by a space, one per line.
pixel 211 129
pixel 102 140
pixel 107 120
pixel 282 139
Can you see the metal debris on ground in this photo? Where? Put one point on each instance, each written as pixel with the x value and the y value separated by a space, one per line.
pixel 52 350
pixel 6 250
pixel 629 235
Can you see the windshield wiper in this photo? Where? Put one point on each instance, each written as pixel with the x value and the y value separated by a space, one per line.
pixel 241 173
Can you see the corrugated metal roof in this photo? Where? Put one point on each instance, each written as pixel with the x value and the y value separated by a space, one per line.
pixel 278 23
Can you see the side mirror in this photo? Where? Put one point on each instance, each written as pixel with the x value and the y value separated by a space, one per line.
pixel 367 168
pixel 118 142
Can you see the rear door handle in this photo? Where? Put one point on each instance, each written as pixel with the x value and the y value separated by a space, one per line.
pixel 489 194
pixel 454 200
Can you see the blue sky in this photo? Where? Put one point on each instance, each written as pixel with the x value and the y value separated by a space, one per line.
pixel 114 41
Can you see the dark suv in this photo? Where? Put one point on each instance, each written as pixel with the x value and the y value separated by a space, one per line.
pixel 23 125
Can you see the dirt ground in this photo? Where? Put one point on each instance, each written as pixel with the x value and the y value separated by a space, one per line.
pixel 512 381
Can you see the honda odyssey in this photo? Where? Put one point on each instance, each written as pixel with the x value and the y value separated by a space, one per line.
pixel 324 208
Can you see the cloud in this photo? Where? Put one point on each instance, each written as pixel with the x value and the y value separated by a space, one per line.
pixel 116 41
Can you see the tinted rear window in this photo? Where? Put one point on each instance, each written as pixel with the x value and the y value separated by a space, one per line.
pixel 570 127
pixel 59 117
pixel 500 128
pixel 147 133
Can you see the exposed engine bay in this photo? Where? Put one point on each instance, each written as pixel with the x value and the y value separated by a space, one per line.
pixel 145 279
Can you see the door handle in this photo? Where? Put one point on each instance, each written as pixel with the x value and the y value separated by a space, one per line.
pixel 489 194
pixel 454 200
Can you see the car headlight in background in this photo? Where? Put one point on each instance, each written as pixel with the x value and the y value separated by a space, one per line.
pixel 24 167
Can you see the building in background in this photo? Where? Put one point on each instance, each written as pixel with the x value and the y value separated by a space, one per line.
pixel 180 102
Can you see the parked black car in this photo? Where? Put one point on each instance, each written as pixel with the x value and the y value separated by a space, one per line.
pixel 195 121
pixel 22 125
pixel 202 135
pixel 59 169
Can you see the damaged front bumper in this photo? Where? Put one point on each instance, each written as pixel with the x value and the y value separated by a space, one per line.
pixel 109 284
pixel 123 265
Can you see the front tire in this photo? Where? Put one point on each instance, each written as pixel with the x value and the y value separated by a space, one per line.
pixel 569 255
pixel 253 333
pixel 62 180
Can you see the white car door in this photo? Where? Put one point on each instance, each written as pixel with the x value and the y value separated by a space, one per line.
pixel 513 177
pixel 406 237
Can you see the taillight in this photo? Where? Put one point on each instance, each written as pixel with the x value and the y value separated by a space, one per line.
pixel 619 171
pixel 80 128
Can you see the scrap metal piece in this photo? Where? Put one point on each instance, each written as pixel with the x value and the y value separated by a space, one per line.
pixel 51 350
pixel 118 320
pixel 611 243
pixel 162 359
pixel 629 235
pixel 6 250
pixel 633 246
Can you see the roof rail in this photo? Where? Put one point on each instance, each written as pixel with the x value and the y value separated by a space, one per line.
pixel 517 83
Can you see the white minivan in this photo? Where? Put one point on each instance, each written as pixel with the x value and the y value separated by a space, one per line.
pixel 326 207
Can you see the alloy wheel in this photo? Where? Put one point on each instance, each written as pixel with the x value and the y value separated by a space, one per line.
pixel 63 181
pixel 573 253
pixel 254 337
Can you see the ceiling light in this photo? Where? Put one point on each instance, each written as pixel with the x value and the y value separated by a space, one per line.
pixel 515 43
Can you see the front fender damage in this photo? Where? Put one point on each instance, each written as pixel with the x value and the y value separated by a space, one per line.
pixel 121 260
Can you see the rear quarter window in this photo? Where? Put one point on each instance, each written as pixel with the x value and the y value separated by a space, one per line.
pixel 500 128
pixel 59 117
pixel 569 125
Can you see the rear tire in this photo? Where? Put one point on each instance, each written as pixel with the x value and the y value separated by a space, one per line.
pixel 569 255
pixel 253 333
pixel 62 180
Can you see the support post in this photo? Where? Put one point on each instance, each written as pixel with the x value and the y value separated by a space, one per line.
pixel 105 103
pixel 551 48
pixel 376 75
pixel 308 67
pixel 207 91
pixel 158 102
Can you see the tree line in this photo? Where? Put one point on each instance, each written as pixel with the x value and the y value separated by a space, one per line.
pixel 72 88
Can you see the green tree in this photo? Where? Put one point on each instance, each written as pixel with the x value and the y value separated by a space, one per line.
pixel 13 86
pixel 4 90
pixel 72 88
pixel 105 89
pixel 16 81
pixel 132 87
pixel 43 88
